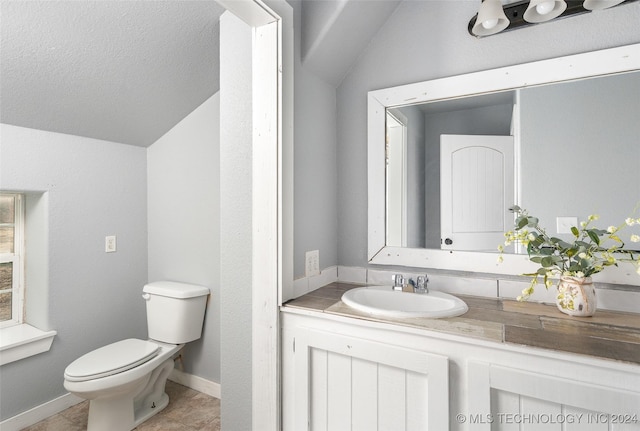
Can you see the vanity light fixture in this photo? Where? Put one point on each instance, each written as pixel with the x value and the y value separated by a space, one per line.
pixel 493 17
pixel 600 4
pixel 544 10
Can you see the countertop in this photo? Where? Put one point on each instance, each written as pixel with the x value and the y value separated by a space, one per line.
pixel 607 334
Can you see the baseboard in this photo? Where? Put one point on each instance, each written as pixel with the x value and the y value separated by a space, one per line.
pixel 196 383
pixel 39 413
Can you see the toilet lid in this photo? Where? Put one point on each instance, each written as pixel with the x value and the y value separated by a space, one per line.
pixel 111 359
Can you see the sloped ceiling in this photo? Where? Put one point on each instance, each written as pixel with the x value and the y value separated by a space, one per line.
pixel 122 71
pixel 335 32
pixel 128 71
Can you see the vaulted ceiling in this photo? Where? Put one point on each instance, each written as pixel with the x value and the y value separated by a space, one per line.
pixel 122 71
pixel 128 71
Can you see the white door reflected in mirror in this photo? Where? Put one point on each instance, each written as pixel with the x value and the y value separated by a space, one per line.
pixel 477 182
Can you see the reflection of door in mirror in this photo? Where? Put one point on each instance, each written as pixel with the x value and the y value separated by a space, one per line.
pixel 396 160
pixel 477 181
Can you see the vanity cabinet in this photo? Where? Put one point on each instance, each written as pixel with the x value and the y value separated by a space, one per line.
pixel 336 381
pixel 352 374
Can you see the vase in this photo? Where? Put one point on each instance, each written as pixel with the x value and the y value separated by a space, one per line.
pixel 576 296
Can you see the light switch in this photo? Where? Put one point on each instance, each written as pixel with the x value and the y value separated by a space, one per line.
pixel 564 224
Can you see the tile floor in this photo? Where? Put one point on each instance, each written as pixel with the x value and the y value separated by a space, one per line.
pixel 188 410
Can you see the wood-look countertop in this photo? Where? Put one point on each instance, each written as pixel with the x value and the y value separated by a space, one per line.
pixel 607 334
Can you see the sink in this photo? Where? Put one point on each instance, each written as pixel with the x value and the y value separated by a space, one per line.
pixel 386 302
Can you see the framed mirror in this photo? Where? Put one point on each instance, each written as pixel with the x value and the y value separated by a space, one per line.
pixel 574 152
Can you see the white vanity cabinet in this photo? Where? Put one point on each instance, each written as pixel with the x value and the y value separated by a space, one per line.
pixel 335 379
pixel 351 374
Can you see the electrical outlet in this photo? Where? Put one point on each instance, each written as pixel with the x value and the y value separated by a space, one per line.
pixel 564 224
pixel 110 244
pixel 312 263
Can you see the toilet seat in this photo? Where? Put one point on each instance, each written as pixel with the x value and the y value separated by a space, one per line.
pixel 111 359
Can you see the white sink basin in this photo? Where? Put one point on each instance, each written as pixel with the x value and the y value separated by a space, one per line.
pixel 386 302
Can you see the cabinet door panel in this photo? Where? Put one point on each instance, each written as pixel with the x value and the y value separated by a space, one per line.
pixel 338 401
pixel 344 383
pixel 318 388
pixel 391 396
pixel 417 398
pixel 534 401
pixel 580 421
pixel 540 415
pixel 364 376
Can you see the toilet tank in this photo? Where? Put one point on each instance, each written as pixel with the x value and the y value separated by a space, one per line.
pixel 175 311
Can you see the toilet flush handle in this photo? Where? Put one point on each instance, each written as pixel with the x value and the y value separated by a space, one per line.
pixel 146 296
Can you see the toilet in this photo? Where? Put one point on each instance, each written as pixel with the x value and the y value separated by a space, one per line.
pixel 125 381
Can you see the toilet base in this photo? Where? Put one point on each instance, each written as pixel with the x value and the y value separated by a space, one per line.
pixel 111 414
pixel 126 411
pixel 147 412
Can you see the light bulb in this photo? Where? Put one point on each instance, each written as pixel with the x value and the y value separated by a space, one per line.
pixel 490 23
pixel 545 7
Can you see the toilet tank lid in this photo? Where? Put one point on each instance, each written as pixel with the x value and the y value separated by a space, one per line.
pixel 174 289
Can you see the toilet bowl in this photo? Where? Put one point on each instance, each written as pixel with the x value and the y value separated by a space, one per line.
pixel 125 381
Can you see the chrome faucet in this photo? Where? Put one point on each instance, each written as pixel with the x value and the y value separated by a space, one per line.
pixel 398 282
pixel 421 284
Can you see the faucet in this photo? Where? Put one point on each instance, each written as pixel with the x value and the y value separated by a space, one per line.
pixel 421 284
pixel 398 282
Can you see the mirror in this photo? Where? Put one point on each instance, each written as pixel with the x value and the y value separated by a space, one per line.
pixel 575 151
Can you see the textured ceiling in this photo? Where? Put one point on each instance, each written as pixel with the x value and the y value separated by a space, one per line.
pixel 122 71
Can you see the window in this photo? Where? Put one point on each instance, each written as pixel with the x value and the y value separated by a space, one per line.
pixel 11 258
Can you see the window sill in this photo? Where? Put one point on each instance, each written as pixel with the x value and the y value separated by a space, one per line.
pixel 21 341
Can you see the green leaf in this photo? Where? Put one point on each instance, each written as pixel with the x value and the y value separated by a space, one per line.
pixel 538 241
pixel 564 245
pixel 547 261
pixel 521 222
pixel 575 231
pixel 532 221
pixel 575 267
pixel 594 236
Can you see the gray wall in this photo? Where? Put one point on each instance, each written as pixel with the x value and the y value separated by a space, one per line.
pixel 315 174
pixel 415 175
pixel 489 120
pixel 580 150
pixel 446 49
pixel 93 188
pixel 183 171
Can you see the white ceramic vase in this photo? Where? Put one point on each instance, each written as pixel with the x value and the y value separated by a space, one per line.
pixel 576 296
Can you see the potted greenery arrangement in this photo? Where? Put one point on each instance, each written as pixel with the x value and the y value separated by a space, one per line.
pixel 591 251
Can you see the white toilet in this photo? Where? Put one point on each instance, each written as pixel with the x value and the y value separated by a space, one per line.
pixel 125 381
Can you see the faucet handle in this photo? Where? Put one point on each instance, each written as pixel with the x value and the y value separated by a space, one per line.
pixel 398 281
pixel 421 284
